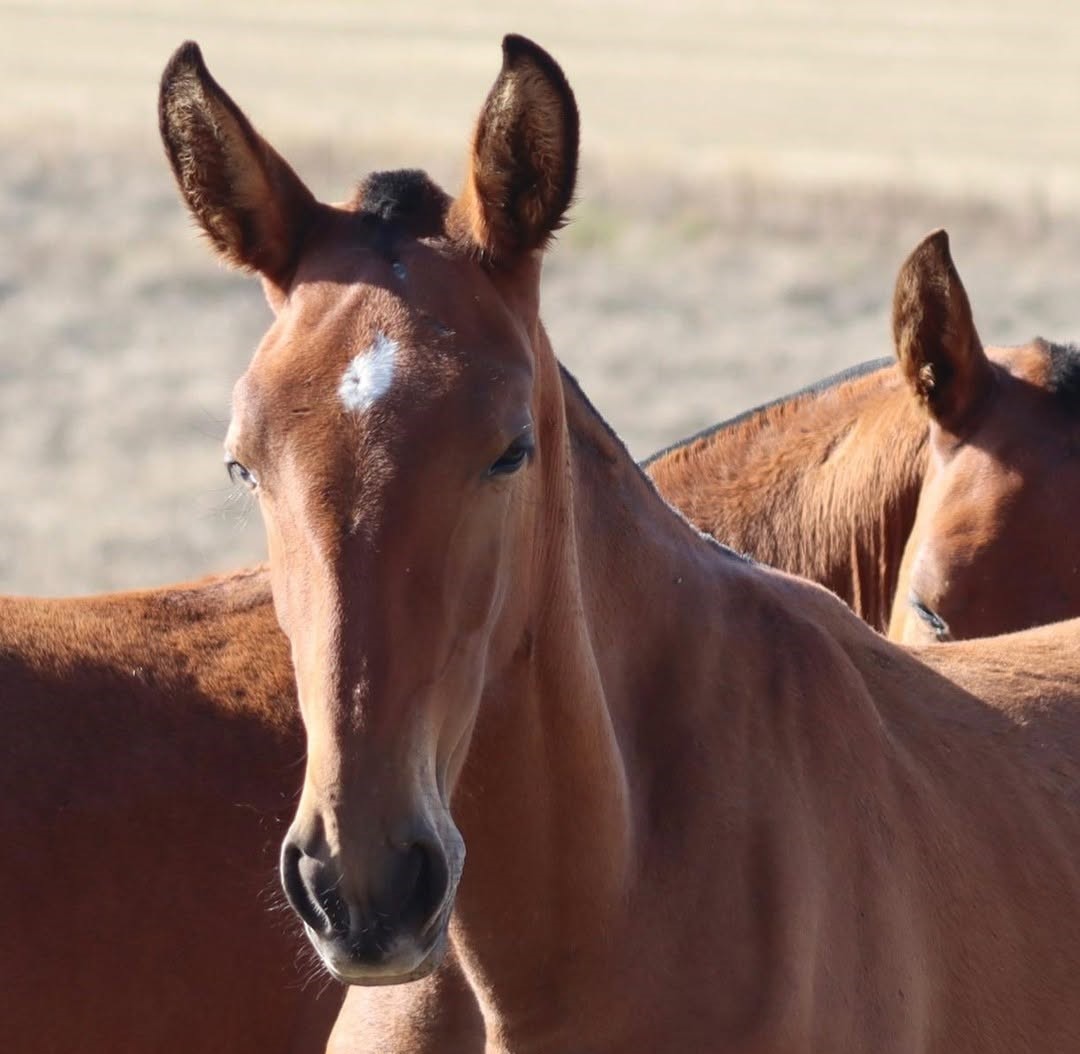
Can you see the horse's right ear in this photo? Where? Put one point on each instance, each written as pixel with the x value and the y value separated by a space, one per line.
pixel 934 334
pixel 523 164
pixel 250 203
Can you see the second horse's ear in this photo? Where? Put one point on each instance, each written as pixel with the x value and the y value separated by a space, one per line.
pixel 252 206
pixel 936 343
pixel 523 165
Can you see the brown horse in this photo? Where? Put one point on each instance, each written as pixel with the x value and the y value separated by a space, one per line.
pixel 993 547
pixel 836 506
pixel 666 762
pixel 745 481
pixel 179 705
pixel 136 726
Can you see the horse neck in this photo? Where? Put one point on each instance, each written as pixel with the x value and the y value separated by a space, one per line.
pixel 823 484
pixel 548 801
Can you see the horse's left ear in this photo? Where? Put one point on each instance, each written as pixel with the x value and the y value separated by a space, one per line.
pixel 523 165
pixel 936 343
pixel 254 208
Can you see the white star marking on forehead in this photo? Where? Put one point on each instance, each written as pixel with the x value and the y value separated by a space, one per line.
pixel 369 376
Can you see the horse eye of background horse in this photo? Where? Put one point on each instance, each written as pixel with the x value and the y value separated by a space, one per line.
pixel 937 625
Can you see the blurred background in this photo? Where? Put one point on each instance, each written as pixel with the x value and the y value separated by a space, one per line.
pixel 753 174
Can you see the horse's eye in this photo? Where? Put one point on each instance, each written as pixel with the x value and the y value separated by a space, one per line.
pixel 240 474
pixel 515 455
pixel 937 624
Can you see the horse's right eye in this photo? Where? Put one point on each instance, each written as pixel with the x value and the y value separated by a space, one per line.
pixel 240 474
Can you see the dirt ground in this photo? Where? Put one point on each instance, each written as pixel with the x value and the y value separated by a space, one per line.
pixel 754 173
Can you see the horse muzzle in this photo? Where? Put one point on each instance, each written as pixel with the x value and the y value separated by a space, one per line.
pixel 397 930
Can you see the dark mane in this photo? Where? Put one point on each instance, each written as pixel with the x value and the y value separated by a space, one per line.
pixel 406 199
pixel 849 374
pixel 1064 377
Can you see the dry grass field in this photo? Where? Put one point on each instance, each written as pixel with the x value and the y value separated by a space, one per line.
pixel 753 175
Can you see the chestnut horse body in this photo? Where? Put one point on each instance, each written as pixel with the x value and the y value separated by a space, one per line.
pixel 823 483
pixel 666 763
pixel 177 706
pixel 151 758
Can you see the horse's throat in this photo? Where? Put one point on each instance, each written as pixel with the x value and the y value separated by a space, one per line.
pixel 542 804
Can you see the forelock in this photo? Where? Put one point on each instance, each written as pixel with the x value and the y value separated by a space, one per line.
pixel 1064 376
pixel 407 200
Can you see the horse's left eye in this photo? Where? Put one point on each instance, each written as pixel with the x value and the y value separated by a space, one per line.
pixel 515 455
pixel 240 474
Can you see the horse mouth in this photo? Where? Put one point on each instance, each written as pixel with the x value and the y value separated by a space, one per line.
pixel 403 961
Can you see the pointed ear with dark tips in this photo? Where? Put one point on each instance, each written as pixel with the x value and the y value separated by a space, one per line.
pixel 934 334
pixel 523 164
pixel 250 203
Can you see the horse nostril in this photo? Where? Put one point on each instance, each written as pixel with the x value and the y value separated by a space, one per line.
pixel 405 896
pixel 295 891
pixel 424 878
pixel 309 891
